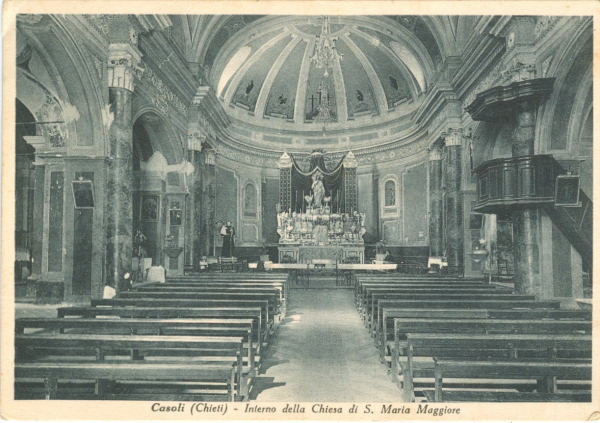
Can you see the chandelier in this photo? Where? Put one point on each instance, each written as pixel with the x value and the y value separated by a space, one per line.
pixel 324 108
pixel 325 53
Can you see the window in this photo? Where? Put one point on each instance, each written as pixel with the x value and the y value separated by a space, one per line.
pixel 390 193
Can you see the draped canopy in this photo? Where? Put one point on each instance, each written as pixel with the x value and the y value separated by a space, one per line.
pixel 333 181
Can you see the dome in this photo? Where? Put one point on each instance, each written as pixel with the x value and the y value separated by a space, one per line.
pixel 265 74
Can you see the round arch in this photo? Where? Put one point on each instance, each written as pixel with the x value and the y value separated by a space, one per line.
pixel 569 78
pixel 159 133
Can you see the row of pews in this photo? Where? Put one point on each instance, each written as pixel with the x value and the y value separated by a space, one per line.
pixel 199 338
pixel 455 339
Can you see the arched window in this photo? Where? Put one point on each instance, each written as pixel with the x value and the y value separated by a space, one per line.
pixel 390 193
pixel 250 200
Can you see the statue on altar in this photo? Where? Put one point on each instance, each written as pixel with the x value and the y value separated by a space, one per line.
pixel 318 190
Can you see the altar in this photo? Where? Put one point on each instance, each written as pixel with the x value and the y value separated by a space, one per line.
pixel 317 217
pixel 334 253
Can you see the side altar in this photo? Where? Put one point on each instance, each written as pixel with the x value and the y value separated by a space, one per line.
pixel 317 215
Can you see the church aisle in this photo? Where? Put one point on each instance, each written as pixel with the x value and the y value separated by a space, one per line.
pixel 322 352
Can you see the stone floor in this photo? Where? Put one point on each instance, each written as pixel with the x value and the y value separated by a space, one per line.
pixel 322 352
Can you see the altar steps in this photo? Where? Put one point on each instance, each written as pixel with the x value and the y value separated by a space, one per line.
pixel 320 282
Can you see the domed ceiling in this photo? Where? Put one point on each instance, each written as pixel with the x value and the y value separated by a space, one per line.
pixel 266 75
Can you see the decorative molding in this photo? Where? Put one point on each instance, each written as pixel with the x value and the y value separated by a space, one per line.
pixel 546 65
pixel 544 24
pixel 164 97
pixel 518 72
pixel 51 111
pixel 99 23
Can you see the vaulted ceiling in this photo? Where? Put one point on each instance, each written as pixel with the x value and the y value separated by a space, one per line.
pixel 261 69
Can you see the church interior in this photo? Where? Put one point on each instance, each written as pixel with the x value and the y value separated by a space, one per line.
pixel 303 208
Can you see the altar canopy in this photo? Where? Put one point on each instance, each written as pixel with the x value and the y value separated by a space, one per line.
pixel 333 182
pixel 317 215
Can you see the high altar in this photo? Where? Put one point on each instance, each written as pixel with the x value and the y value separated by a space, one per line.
pixel 317 215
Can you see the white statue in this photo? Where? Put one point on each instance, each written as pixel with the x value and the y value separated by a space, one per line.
pixel 318 190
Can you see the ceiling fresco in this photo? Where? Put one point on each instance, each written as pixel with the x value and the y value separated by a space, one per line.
pixel 265 74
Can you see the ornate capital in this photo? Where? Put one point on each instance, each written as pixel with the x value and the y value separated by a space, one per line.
pixel 284 161
pixel 435 154
pixel 453 137
pixel 210 157
pixel 122 65
pixel 350 160
pixel 195 139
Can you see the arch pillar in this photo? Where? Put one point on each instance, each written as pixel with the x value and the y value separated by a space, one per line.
pixel 435 202
pixel 454 199
pixel 122 62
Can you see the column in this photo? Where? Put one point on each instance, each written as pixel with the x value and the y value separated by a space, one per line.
pixel 435 202
pixel 37 231
pixel 122 60
pixel 195 157
pixel 208 202
pixel 454 201
pixel 525 221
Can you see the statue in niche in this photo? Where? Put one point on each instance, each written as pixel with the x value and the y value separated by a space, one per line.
pixel 318 190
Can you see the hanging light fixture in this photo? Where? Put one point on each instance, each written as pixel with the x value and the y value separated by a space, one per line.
pixel 324 108
pixel 325 53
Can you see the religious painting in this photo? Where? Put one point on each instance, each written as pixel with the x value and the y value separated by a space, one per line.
pixel 175 214
pixel 567 191
pixel 83 194
pixel 390 193
pixel 250 200
pixel 150 208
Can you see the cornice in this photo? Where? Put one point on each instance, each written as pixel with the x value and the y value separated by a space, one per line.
pixel 479 60
pixel 168 65
pixel 205 101
pixel 437 98
pixel 94 39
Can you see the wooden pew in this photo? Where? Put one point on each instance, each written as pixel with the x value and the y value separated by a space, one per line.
pixel 498 347
pixel 387 330
pixel 103 372
pixel 224 287
pixel 235 276
pixel 205 349
pixel 483 303
pixel 484 326
pixel 246 328
pixel 169 313
pixel 359 287
pixel 546 372
pixel 365 298
pixel 375 296
pixel 267 309
pixel 190 283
